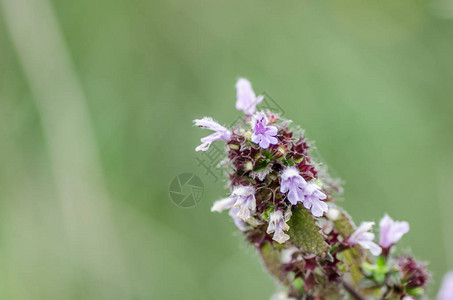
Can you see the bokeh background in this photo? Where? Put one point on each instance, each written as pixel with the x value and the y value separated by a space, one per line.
pixel 96 104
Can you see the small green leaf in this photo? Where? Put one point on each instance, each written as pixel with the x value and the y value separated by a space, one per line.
pixel 381 262
pixel 305 233
pixel 377 271
pixel 299 159
pixel 343 223
pixel 415 291
pixel 352 259
pixel 298 284
pixel 271 260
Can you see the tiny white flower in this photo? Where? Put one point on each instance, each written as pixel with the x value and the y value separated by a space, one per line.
pixel 245 201
pixel 333 214
pixel 277 225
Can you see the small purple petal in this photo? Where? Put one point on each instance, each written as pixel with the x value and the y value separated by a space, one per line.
pixel 313 200
pixel 293 184
pixel 272 130
pixel 255 138
pixel 295 195
pixel 273 140
pixel 264 142
pixel 237 221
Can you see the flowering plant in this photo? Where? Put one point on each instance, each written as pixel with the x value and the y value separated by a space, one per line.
pixel 284 203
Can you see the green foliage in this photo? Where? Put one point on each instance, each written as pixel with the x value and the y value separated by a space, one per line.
pixel 305 233
pixel 271 260
pixel 415 291
pixel 343 223
pixel 377 271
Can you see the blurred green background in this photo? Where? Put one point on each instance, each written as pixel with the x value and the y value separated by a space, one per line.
pixel 97 100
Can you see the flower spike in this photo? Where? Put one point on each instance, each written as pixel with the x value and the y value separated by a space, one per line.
pixel 283 202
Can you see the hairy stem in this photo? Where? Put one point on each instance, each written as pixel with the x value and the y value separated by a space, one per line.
pixel 352 291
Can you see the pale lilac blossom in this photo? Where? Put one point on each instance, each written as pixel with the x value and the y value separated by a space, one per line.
pixel 364 238
pixel 277 225
pixel 263 135
pixel 228 203
pixel 240 224
pixel 245 201
pixel 293 184
pixel 299 190
pixel 221 133
pixel 313 200
pixel 446 289
pixel 391 231
pixel 246 98
pixel 282 295
pixel 221 205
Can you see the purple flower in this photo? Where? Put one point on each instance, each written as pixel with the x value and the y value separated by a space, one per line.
pixel 240 224
pixel 293 184
pixel 299 190
pixel 221 133
pixel 245 201
pixel 313 200
pixel 262 134
pixel 446 289
pixel 221 205
pixel 228 203
pixel 277 225
pixel 364 238
pixel 246 98
pixel 391 231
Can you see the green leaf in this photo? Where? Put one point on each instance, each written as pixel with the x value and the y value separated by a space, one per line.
pixel 343 223
pixel 271 260
pixel 415 291
pixel 304 232
pixel 382 263
pixel 352 259
pixel 377 271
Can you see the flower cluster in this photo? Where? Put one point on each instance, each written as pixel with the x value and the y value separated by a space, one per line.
pixel 270 165
pixel 283 202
